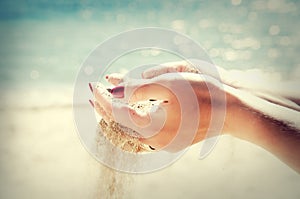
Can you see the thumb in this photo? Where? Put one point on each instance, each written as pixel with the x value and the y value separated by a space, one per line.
pixel 115 78
pixel 170 67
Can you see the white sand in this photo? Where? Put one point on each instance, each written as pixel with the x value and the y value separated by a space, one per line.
pixel 42 157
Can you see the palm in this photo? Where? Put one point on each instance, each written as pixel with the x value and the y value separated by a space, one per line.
pixel 185 97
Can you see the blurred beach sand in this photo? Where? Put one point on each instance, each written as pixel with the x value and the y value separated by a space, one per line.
pixel 42 157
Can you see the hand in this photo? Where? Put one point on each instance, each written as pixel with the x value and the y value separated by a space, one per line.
pixel 256 82
pixel 258 117
pixel 161 86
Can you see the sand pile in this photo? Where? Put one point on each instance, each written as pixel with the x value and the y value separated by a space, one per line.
pixel 118 136
pixel 124 137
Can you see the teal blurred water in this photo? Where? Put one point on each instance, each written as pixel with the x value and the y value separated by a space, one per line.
pixel 43 43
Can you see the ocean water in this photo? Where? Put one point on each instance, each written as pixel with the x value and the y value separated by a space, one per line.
pixel 44 43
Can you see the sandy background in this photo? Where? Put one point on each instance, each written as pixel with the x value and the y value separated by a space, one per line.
pixel 42 157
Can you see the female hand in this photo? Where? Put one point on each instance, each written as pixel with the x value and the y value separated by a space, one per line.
pixel 182 118
pixel 266 116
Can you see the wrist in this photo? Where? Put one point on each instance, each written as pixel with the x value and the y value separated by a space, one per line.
pixel 242 120
pixel 256 120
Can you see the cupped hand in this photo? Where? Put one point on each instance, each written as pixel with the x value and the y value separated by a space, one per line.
pixel 182 117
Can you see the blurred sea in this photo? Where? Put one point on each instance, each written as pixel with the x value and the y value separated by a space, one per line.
pixel 43 43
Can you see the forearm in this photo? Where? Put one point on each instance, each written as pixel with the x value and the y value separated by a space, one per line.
pixel 268 125
pixel 265 85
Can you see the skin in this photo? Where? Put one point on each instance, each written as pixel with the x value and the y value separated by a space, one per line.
pixel 268 119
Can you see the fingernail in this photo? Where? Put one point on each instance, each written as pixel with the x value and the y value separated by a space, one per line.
pixel 92 103
pixel 91 87
pixel 106 77
pixel 152 148
pixel 118 92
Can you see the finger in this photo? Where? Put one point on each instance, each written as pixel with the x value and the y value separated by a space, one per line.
pixel 207 68
pixel 92 103
pixel 91 87
pixel 118 92
pixel 126 90
pixel 145 89
pixel 170 67
pixel 191 66
pixel 101 112
pixel 115 78
pixel 117 110
pixel 103 97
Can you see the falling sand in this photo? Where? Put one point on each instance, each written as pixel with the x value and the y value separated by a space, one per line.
pixel 115 184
